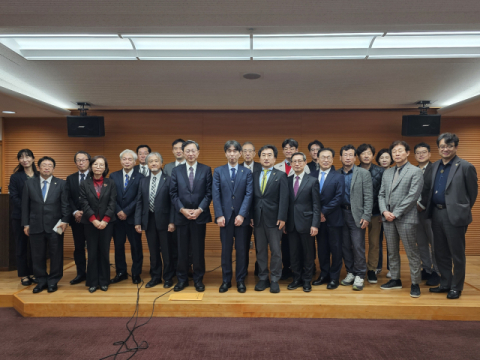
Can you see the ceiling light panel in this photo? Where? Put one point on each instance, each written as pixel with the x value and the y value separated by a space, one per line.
pixel 279 42
pixel 192 43
pixel 73 43
pixel 431 41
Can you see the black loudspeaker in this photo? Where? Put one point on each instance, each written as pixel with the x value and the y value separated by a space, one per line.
pixel 421 125
pixel 85 126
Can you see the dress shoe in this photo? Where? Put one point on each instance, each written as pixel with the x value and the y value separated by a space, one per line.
pixel 199 286
pixel 307 287
pixel 34 280
pixel 168 284
pixel 153 282
pixel 39 288
pixel 52 288
pixel 454 294
pixel 26 281
pixel 136 279
pixel 180 286
pixel 262 285
pixel 274 287
pixel 438 290
pixel 104 287
pixel 78 279
pixel 118 278
pixel 190 272
pixel 434 279
pixel 294 285
pixel 333 284
pixel 241 288
pixel 92 289
pixel 321 280
pixel 224 287
pixel 286 273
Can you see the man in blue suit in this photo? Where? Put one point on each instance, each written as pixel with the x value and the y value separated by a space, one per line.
pixel 329 239
pixel 191 194
pixel 127 181
pixel 232 197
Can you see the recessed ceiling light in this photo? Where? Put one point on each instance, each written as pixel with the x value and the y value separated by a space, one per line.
pixel 252 76
pixel 8 112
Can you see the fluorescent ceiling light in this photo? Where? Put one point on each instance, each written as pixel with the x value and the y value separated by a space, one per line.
pixel 353 57
pixel 433 33
pixel 425 56
pixel 192 43
pixel 440 41
pixel 56 35
pixel 310 42
pixel 8 112
pixel 78 58
pixel 320 35
pixel 75 43
pixel 193 58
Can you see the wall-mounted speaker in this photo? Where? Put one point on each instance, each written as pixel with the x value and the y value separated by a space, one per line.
pixel 421 125
pixel 85 126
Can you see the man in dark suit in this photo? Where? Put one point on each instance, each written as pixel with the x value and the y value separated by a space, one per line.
pixel 154 214
pixel 44 204
pixel 142 153
pixel 303 221
pixel 191 193
pixel 329 238
pixel 82 160
pixel 127 181
pixel 232 194
pixel 313 149
pixel 453 193
pixel 270 207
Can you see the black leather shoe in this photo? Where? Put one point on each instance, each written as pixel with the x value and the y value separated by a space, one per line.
pixel 26 281
pixel 262 285
pixel 321 280
pixel 168 284
pixel 294 285
pixel 224 287
pixel 118 278
pixel 307 287
pixel 153 282
pixel 434 279
pixel 199 286
pixel 78 279
pixel 136 279
pixel 104 287
pixel 180 286
pixel 454 294
pixel 274 287
pixel 333 284
pixel 34 280
pixel 39 288
pixel 241 288
pixel 438 290
pixel 92 289
pixel 52 288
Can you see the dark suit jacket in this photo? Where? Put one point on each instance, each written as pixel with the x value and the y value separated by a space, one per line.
pixel 312 166
pixel 427 185
pixel 15 190
pixel 331 197
pixel 303 209
pixel 256 166
pixel 183 197
pixel 164 210
pixel 232 199
pixel 127 199
pixel 73 193
pixel 93 205
pixel 42 216
pixel 460 193
pixel 273 203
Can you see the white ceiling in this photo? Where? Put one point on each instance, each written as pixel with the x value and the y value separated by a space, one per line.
pixel 315 84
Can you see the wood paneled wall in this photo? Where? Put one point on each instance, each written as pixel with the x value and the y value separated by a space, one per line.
pixel 127 129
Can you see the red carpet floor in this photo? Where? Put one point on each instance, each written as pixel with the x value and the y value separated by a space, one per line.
pixel 231 338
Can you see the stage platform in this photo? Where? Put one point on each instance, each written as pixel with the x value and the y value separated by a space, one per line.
pixel 120 299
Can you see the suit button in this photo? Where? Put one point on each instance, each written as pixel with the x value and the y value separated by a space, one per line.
pixel 233 208
pixel 233 197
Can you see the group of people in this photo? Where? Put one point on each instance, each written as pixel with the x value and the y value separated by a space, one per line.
pixel 286 205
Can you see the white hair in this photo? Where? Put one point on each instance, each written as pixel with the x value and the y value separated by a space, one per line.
pixel 126 151
pixel 156 154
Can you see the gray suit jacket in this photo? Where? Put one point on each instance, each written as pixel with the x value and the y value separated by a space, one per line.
pixel 167 169
pixel 361 194
pixel 460 193
pixel 281 167
pixel 402 195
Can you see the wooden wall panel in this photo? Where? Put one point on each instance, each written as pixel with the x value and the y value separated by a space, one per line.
pixel 127 129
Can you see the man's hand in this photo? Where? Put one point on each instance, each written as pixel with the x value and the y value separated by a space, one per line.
pixel 280 224
pixel 251 223
pixel 102 225
pixel 171 227
pixel 364 223
pixel 196 214
pixel 313 231
pixel 221 221
pixel 96 223
pixel 138 228
pixel 389 216
pixel 63 226
pixel 78 216
pixel 419 208
pixel 239 220
pixel 322 218
pixel 188 213
pixel 26 230
pixel 121 215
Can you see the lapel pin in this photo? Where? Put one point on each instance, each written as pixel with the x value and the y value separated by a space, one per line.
pixel 456 164
pixel 104 185
pixel 55 183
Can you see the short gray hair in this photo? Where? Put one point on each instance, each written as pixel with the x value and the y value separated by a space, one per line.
pixel 126 151
pixel 248 143
pixel 300 153
pixel 157 154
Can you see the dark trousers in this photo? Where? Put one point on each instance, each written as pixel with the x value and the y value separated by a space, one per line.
pixel 39 244
pixel 302 255
pixel 121 231
pixel 285 245
pixel 266 236
pixel 380 250
pixel 173 240
pixel 98 247
pixel 227 234
pixel 23 252
pixel 78 232
pixel 158 243
pixel 191 235
pixel 353 246
pixel 329 241
pixel 249 238
pixel 449 248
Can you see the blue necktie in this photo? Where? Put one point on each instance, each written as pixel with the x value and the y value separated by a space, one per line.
pixel 322 180
pixel 44 189
pixel 82 177
pixel 233 174
pixel 126 181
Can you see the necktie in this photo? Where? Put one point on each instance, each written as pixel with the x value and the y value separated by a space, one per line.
pixel 423 169
pixel 144 170
pixel 82 177
pixel 233 174
pixel 126 181
pixel 297 185
pixel 152 194
pixel 264 180
pixel 191 177
pixel 322 180
pixel 44 189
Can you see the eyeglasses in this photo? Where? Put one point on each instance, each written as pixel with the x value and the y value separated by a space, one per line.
pixel 298 161
pixel 449 147
pixel 190 151
pixel 79 161
pixel 325 158
pixel 248 151
pixel 425 152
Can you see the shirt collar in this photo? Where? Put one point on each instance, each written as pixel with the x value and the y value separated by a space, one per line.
pixel 49 180
pixel 269 169
pixel 401 167
pixel 287 162
pixel 326 171
pixel 194 166
pixel 180 163
pixel 86 173
pixel 232 167
pixel 158 176
pixel 350 172
pixel 450 162
pixel 301 175
pixel 129 174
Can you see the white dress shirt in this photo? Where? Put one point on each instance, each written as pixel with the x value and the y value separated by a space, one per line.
pixel 249 167
pixel 299 179
pixel 194 169
pixel 141 167
pixel 129 175
pixel 326 174
pixel 49 180
pixel 180 163
pixel 80 175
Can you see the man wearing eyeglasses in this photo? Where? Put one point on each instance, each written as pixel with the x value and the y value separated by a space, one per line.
pixel 452 194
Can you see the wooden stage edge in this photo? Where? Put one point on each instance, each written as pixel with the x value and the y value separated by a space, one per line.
pixel 342 303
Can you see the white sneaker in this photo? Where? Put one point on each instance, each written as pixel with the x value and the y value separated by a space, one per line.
pixel 389 275
pixel 358 284
pixel 348 280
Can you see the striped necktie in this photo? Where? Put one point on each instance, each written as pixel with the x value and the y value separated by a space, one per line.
pixel 153 193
